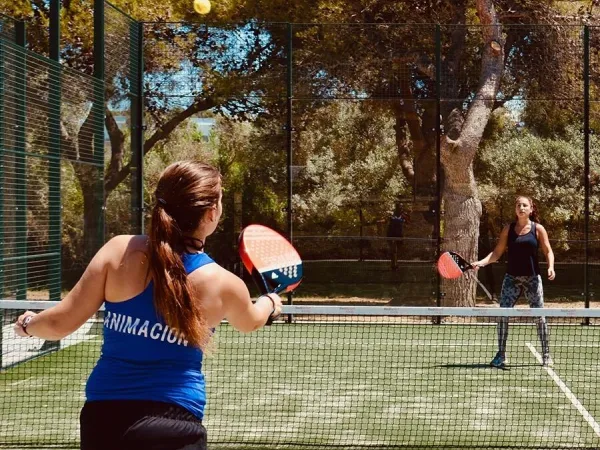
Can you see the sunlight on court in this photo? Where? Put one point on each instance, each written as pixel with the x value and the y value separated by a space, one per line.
pixel 371 384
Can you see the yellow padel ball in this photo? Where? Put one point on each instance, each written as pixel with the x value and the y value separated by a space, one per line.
pixel 202 6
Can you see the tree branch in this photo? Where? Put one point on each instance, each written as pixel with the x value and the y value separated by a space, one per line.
pixel 492 64
pixel 404 156
pixel 117 141
pixel 112 180
pixel 162 132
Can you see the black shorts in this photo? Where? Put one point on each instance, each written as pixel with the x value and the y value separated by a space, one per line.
pixel 139 425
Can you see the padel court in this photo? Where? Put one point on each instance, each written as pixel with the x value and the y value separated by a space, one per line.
pixel 347 381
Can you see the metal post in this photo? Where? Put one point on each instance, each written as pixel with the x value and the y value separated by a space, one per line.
pixel 20 163
pixel 136 66
pixel 54 30
pixel 289 128
pixel 438 127
pixel 586 157
pixel 98 112
pixel 290 141
pixel 54 154
pixel 2 119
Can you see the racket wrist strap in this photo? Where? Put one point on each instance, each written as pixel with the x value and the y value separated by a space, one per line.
pixel 272 302
pixel 25 324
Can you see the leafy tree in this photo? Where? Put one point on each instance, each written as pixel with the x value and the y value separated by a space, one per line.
pixel 348 169
pixel 549 170
pixel 487 59
pixel 239 72
pixel 206 68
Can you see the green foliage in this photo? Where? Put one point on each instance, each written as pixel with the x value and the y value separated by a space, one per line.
pixel 552 118
pixel 262 173
pixel 549 170
pixel 72 224
pixel 351 174
pixel 185 142
pixel 498 122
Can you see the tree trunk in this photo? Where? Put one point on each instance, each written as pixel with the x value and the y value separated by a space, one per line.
pixel 461 229
pixel 87 176
pixel 93 209
pixel 118 172
pixel 462 208
pixel 90 179
pixel 419 166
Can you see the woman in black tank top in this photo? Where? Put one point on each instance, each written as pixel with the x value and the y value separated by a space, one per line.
pixel 522 238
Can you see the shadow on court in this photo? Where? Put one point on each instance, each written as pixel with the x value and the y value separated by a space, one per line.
pixel 484 366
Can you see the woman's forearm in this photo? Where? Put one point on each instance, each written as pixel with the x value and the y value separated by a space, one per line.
pixel 550 259
pixel 45 326
pixel 487 260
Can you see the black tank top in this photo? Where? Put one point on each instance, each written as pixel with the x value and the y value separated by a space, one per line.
pixel 523 252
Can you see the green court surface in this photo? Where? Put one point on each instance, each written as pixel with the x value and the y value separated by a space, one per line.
pixel 315 385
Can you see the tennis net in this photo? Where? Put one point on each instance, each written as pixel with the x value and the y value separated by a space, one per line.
pixel 344 377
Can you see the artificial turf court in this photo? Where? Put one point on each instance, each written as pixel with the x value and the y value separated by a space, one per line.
pixel 336 382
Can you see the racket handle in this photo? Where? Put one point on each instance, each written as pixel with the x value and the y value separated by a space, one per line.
pixel 260 282
pixel 484 289
pixel 263 287
pixel 272 316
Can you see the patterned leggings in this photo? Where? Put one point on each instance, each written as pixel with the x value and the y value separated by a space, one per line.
pixel 512 288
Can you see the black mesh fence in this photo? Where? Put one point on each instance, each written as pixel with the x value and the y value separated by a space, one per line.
pixel 122 61
pixel 8 28
pixel 355 141
pixel 336 133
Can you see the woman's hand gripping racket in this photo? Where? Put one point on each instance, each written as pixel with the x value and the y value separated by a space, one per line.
pixel 451 265
pixel 273 262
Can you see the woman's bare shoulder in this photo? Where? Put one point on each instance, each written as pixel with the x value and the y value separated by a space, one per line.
pixel 125 247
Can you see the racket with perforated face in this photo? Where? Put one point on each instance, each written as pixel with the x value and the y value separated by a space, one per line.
pixel 274 263
pixel 451 265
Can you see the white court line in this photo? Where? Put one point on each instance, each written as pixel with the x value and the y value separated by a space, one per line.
pixel 577 345
pixel 563 387
pixel 16 349
pixel 16 383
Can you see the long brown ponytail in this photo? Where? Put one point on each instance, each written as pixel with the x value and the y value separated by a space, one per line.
pixel 185 191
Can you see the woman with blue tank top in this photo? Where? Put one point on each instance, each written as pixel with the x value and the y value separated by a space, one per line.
pixel 163 297
pixel 522 238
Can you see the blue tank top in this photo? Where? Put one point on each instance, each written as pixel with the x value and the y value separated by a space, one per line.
pixel 143 359
pixel 523 252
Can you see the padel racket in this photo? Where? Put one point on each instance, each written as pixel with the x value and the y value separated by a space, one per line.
pixel 451 265
pixel 274 263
